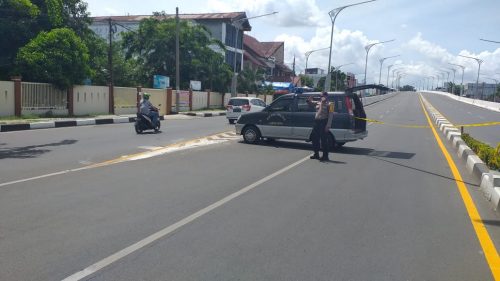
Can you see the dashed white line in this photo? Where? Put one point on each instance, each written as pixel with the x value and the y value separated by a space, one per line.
pixel 169 229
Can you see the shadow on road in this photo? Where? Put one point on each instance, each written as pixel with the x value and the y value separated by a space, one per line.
pixel 490 222
pixel 31 151
pixel 423 171
pixel 376 154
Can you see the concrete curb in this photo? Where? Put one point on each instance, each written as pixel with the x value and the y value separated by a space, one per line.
pixel 204 114
pixel 490 180
pixel 67 123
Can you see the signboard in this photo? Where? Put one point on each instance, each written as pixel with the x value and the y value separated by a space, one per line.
pixel 161 82
pixel 195 85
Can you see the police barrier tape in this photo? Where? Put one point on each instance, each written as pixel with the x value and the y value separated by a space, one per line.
pixel 495 123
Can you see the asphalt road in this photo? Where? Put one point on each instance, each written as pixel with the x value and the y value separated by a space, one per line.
pixel 385 208
pixel 35 152
pixel 463 113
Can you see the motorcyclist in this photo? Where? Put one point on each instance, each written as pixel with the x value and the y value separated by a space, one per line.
pixel 148 109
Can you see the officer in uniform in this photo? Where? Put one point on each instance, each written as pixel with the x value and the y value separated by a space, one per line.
pixel 322 123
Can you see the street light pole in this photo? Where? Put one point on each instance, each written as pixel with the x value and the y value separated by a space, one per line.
pixel 388 69
pixel 234 80
pixel 479 62
pixel 308 53
pixel 462 83
pixel 333 15
pixel 490 41
pixel 336 72
pixel 382 62
pixel 453 83
pixel 367 49
pixel 393 77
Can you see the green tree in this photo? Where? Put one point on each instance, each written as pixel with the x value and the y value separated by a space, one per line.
pixel 306 81
pixel 22 20
pixel 249 80
pixel 407 88
pixel 58 56
pixel 152 46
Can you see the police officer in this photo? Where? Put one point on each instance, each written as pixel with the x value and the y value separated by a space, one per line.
pixel 322 123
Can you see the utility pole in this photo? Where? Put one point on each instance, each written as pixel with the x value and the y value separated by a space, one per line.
pixel 177 72
pixel 111 108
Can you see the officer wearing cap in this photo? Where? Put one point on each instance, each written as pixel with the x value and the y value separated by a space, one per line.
pixel 322 123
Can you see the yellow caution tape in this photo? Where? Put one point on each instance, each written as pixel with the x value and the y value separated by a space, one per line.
pixel 479 124
pixel 495 123
pixel 392 124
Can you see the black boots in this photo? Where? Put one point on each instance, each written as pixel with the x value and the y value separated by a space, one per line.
pixel 315 156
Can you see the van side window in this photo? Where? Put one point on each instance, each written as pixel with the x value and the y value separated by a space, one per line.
pixel 281 105
pixel 303 106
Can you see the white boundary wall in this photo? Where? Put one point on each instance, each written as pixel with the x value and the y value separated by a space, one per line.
pixel 90 100
pixel 7 98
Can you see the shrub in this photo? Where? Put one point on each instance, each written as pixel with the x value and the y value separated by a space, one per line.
pixel 488 154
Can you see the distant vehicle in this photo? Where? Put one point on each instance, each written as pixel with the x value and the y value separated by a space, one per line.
pixel 291 117
pixel 242 105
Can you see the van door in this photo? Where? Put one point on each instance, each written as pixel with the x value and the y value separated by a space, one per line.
pixel 358 112
pixel 303 117
pixel 278 120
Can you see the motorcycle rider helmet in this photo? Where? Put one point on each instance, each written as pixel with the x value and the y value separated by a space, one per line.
pixel 146 96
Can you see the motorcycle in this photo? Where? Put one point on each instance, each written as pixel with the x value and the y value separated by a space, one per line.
pixel 143 122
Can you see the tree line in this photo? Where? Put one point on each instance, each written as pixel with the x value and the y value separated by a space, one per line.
pixel 51 41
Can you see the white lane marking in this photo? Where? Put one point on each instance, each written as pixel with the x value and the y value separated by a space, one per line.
pixel 169 229
pixel 43 176
pixel 148 154
pixel 149 147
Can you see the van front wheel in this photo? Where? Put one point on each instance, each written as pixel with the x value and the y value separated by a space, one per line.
pixel 251 134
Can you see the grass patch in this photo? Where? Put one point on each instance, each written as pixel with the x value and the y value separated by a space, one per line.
pixel 489 155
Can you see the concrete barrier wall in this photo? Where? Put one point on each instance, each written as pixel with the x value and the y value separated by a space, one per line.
pixel 90 100
pixel 216 100
pixel 125 100
pixel 7 98
pixel 199 100
pixel 495 106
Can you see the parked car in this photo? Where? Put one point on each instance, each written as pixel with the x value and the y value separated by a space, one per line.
pixel 242 105
pixel 291 117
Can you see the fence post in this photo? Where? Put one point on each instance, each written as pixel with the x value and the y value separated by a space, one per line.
pixel 190 99
pixel 169 101
pixel 208 99
pixel 70 101
pixel 138 97
pixel 111 99
pixel 17 95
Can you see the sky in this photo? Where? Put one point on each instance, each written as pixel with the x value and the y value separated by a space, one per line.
pixel 429 34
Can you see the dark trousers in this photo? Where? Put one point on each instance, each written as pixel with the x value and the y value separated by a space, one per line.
pixel 318 134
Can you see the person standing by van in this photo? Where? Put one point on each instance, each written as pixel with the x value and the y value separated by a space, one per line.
pixel 322 123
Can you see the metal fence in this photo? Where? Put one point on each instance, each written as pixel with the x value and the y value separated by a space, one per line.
pixel 42 96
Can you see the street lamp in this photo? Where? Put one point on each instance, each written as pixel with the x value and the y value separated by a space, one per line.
pixel 453 83
pixel 234 80
pixel 490 41
pixel 336 72
pixel 333 15
pixel 367 48
pixel 308 53
pixel 395 70
pixel 388 69
pixel 382 62
pixel 462 83
pixel 479 62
